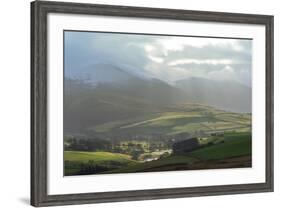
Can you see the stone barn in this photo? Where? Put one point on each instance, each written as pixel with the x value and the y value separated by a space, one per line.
pixel 185 146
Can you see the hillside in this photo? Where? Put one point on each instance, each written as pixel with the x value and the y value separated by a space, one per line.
pixel 187 118
pixel 89 109
pixel 86 105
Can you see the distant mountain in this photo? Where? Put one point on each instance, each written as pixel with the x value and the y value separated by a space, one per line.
pixel 226 95
pixel 87 105
pixel 103 73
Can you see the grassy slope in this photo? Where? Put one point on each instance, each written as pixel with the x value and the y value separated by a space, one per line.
pixel 186 118
pixel 235 145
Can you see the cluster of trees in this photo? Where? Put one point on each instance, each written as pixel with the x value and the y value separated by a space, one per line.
pixel 90 167
pixel 73 144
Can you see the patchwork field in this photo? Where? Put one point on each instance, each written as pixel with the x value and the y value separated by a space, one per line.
pixel 188 118
pixel 231 150
pixel 145 143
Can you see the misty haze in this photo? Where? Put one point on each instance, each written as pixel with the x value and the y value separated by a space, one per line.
pixel 143 103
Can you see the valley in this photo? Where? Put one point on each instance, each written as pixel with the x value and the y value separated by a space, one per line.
pixel 146 143
pixel 131 123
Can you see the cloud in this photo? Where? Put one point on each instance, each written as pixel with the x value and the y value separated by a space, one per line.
pixel 211 52
pixel 169 58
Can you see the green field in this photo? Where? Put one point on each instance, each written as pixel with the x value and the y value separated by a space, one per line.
pixel 96 156
pixel 74 160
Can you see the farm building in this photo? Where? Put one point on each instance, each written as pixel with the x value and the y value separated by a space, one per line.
pixel 185 146
pixel 217 134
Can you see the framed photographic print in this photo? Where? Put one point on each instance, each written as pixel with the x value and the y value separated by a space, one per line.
pixel 132 103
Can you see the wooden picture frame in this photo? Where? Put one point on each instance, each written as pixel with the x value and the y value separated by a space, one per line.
pixel 39 98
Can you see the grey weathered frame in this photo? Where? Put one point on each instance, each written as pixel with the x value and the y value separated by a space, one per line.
pixel 39 12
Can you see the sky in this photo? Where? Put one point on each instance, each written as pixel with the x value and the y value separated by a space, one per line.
pixel 169 58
